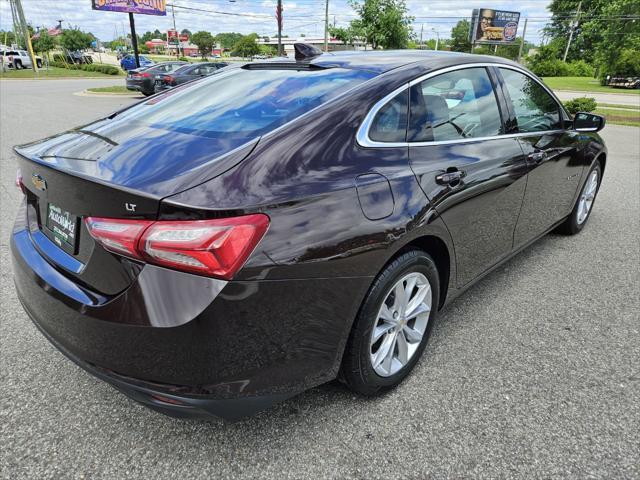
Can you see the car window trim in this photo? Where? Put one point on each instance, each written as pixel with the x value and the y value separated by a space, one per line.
pixel 362 136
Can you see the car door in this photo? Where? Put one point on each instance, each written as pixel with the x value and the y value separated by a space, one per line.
pixel 473 174
pixel 553 166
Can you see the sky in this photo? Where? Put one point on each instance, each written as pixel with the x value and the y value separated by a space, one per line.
pixel 433 17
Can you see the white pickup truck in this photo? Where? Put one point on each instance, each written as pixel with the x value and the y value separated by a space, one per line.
pixel 18 59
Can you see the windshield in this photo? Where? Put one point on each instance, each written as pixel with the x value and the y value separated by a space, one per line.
pixel 243 104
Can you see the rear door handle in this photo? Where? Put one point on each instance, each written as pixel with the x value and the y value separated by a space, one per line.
pixel 537 156
pixel 449 177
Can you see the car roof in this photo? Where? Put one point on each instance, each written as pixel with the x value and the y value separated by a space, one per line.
pixel 380 61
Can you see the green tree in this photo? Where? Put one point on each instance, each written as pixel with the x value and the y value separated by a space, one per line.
pixel 588 31
pixel 147 37
pixel 345 35
pixel 186 31
pixel 246 47
pixel 460 37
pixel 228 40
pixel 44 43
pixel 75 39
pixel 619 52
pixel 204 41
pixel 158 34
pixel 6 37
pixel 382 23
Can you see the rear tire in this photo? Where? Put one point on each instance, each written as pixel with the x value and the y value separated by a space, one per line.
pixel 388 336
pixel 575 222
pixel 39 63
pixel 17 64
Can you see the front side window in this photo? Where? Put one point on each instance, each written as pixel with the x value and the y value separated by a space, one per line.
pixel 534 108
pixel 452 106
pixel 390 123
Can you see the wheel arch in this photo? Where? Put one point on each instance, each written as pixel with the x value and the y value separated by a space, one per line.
pixel 602 159
pixel 442 255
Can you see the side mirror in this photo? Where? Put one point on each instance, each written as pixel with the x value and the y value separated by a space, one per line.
pixel 588 122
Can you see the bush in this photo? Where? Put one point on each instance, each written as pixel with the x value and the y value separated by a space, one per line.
pixel 100 67
pixel 87 67
pixel 58 57
pixel 183 59
pixel 582 104
pixel 552 67
pixel 580 68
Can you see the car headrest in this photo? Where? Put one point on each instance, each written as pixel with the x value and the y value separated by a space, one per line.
pixel 437 110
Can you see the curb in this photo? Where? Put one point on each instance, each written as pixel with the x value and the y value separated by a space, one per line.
pixel 87 93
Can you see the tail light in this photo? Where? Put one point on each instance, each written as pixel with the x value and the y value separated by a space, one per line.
pixel 145 75
pixel 170 80
pixel 19 181
pixel 216 248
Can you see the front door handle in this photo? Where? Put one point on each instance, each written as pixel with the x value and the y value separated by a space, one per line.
pixel 449 178
pixel 537 156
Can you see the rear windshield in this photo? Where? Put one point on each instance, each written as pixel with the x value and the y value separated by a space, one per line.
pixel 238 105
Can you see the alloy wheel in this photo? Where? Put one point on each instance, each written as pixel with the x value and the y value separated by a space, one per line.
pixel 401 323
pixel 587 196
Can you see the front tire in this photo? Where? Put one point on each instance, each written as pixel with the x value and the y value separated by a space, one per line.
pixel 39 63
pixel 584 204
pixel 393 326
pixel 17 65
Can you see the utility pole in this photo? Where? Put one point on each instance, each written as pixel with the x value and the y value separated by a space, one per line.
pixel 524 32
pixel 173 14
pixel 421 31
pixel 574 24
pixel 25 33
pixel 17 31
pixel 326 26
pixel 279 19
pixel 134 39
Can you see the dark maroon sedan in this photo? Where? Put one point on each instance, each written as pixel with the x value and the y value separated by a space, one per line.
pixel 237 240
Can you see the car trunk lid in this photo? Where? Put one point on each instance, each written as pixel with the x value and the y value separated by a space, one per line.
pixel 109 169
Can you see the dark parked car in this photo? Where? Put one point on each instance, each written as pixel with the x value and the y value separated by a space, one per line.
pixel 143 79
pixel 186 74
pixel 238 240
pixel 128 62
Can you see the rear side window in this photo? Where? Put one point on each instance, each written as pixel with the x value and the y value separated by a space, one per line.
pixel 237 105
pixel 534 108
pixel 452 106
pixel 390 123
pixel 184 69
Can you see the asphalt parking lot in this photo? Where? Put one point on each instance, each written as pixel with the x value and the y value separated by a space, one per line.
pixel 534 372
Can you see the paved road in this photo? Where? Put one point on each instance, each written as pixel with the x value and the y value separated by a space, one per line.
pixel 535 372
pixel 612 98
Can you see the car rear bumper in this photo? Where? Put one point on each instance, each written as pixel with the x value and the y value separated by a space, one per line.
pixel 162 398
pixel 139 86
pixel 209 347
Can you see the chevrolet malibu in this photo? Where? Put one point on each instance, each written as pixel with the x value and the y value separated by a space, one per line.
pixel 230 243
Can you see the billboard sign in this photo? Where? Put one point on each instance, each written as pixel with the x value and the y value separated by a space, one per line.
pixel 144 7
pixel 172 36
pixel 494 27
